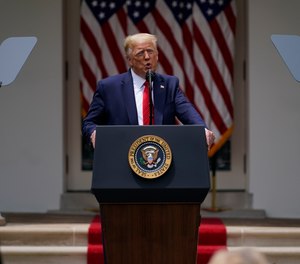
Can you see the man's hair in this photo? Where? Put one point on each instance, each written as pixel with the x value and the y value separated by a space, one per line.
pixel 132 40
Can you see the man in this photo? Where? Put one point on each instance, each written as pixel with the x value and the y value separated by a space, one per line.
pixel 118 99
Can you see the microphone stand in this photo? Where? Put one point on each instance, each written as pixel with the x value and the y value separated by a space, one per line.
pixel 149 76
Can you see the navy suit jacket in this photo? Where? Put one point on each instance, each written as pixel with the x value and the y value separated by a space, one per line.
pixel 114 103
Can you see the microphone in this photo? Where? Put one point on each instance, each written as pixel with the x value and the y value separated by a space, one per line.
pixel 149 76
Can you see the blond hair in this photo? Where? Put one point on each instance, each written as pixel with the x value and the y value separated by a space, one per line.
pixel 132 40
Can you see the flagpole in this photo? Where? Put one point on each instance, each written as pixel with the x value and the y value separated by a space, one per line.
pixel 213 163
pixel 213 179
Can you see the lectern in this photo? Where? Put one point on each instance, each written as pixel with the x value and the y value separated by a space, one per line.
pixel 150 182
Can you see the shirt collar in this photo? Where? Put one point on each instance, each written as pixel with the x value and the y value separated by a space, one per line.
pixel 138 81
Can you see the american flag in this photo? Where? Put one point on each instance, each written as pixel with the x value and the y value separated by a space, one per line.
pixel 195 42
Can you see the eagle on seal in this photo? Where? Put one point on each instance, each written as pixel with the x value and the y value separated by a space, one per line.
pixel 150 154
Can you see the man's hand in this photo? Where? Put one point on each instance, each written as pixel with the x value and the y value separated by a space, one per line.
pixel 93 138
pixel 210 138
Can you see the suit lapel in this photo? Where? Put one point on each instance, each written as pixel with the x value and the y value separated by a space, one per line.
pixel 159 91
pixel 129 99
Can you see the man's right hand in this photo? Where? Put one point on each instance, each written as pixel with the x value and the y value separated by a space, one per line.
pixel 93 138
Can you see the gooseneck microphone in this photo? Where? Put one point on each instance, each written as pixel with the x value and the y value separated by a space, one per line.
pixel 149 77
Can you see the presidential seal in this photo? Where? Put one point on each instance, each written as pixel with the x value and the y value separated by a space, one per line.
pixel 149 156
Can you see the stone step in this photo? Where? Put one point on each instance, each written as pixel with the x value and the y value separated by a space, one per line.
pixel 44 254
pixel 277 255
pixel 76 235
pixel 254 236
pixel 78 254
pixel 63 239
pixel 44 235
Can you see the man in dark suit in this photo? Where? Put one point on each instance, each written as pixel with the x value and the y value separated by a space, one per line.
pixel 118 99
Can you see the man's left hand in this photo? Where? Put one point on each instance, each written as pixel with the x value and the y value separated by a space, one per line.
pixel 210 138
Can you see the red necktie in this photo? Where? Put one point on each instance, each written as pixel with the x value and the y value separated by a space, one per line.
pixel 146 104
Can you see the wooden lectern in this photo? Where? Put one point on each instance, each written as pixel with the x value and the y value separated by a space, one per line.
pixel 150 221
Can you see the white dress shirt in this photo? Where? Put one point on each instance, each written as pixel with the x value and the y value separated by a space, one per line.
pixel 138 85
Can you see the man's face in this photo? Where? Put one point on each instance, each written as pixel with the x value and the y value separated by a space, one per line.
pixel 144 56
